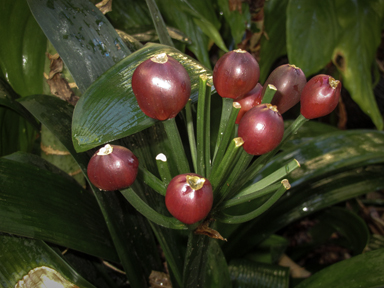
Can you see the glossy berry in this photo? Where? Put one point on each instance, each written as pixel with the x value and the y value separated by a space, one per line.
pixel 189 198
pixel 320 96
pixel 250 100
pixel 289 81
pixel 262 129
pixel 112 167
pixel 162 87
pixel 235 74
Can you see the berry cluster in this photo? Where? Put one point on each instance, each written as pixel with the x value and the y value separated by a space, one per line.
pixel 162 88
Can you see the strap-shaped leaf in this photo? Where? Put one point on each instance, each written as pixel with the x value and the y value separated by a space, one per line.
pixel 108 110
pixel 82 35
pixel 365 270
pixel 31 260
pixel 38 203
pixel 130 232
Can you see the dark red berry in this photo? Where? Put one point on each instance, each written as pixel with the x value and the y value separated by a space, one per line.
pixel 320 96
pixel 262 129
pixel 250 100
pixel 289 81
pixel 112 167
pixel 162 87
pixel 235 74
pixel 189 198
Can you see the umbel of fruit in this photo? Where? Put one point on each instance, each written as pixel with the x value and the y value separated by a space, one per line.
pixel 189 198
pixel 162 87
pixel 262 129
pixel 289 81
pixel 235 74
pixel 320 96
pixel 250 100
pixel 112 167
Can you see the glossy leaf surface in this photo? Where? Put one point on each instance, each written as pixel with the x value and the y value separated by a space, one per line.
pixel 20 255
pixel 82 35
pixel 349 30
pixel 365 270
pixel 63 212
pixel 122 220
pixel 108 110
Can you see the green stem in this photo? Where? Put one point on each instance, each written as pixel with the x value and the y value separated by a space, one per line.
pixel 269 93
pixel 191 134
pixel 220 170
pixel 256 166
pixel 163 168
pixel 159 24
pixel 172 132
pixel 151 180
pixel 228 133
pixel 225 113
pixel 200 125
pixel 229 219
pixel 208 130
pixel 149 213
pixel 230 189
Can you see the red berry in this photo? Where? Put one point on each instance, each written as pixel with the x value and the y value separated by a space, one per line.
pixel 289 81
pixel 320 96
pixel 162 87
pixel 262 129
pixel 112 167
pixel 235 74
pixel 189 198
pixel 250 100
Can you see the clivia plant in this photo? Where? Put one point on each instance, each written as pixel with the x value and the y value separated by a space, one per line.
pixel 177 195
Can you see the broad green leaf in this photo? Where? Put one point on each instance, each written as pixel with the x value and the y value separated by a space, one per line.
pixel 274 46
pixel 200 41
pixel 247 274
pixel 365 270
pixel 22 48
pixel 237 21
pixel 350 35
pixel 82 35
pixel 306 20
pixel 303 200
pixel 40 204
pixel 130 232
pixel 205 264
pixel 21 255
pixel 108 110
pixel 348 224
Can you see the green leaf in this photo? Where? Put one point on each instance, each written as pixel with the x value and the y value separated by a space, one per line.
pixel 20 255
pixel 205 264
pixel 82 35
pixel 247 274
pixel 54 216
pixel 351 226
pixel 365 270
pixel 306 20
pixel 237 21
pixel 350 35
pixel 22 48
pixel 130 232
pixel 274 46
pixel 108 110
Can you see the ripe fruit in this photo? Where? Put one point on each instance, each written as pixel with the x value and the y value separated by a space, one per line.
pixel 235 74
pixel 262 129
pixel 289 81
pixel 189 198
pixel 112 167
pixel 162 87
pixel 250 100
pixel 320 96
